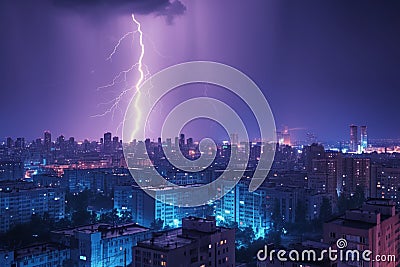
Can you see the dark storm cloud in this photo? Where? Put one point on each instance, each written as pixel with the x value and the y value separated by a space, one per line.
pixel 167 8
pixel 173 9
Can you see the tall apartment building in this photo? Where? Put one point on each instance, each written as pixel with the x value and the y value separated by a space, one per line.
pixel 313 203
pixel 373 227
pixel 18 202
pixel 358 142
pixel 247 209
pixel 356 173
pixel 326 174
pixel 101 180
pixel 11 170
pixel 253 209
pixel 334 174
pixel 364 138
pixel 198 243
pixel 145 209
pixel 385 183
pixel 353 138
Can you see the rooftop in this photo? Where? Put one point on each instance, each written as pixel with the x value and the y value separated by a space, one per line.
pixel 175 238
pixel 380 202
pixel 168 240
pixel 38 249
pixel 108 231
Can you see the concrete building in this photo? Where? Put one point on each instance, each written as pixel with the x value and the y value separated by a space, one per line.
pixel 100 244
pixel 145 209
pixel 353 138
pixel 375 227
pixel 254 208
pixel 11 170
pixel 325 175
pixel 245 208
pixel 101 180
pixel 39 255
pixel 19 201
pixel 198 243
pixel 309 153
pixel 364 138
pixel 356 174
pixel 313 203
pixel 385 183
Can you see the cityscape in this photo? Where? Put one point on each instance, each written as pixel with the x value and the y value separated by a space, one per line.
pixel 75 203
pixel 199 133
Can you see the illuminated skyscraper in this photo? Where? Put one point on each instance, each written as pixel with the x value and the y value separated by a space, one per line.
pixel 47 140
pixel 353 138
pixel 364 139
pixel 286 136
pixel 107 142
pixel 182 140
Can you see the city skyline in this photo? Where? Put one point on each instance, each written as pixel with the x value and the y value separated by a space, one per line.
pixel 320 66
pixel 199 133
pixel 286 136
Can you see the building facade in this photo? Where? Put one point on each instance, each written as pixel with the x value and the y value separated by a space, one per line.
pixel 373 227
pixel 198 243
pixel 101 245
pixel 18 204
pixel 385 183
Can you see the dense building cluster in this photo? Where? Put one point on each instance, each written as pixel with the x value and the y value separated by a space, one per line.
pixel 101 216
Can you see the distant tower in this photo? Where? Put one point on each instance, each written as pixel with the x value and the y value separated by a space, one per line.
pixel 311 138
pixel 189 142
pixel 115 143
pixel 182 140
pixel 353 138
pixel 234 139
pixel 10 142
pixel 286 136
pixel 364 138
pixel 176 142
pixel 107 142
pixel 169 144
pixel 20 142
pixel 279 136
pixel 47 140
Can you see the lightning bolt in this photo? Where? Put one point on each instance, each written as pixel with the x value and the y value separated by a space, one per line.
pixel 119 43
pixel 122 76
pixel 141 77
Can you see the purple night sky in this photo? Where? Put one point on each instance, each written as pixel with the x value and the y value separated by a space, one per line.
pixel 322 65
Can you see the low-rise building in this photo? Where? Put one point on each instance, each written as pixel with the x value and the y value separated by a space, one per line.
pixel 101 244
pixel 198 243
pixel 39 255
